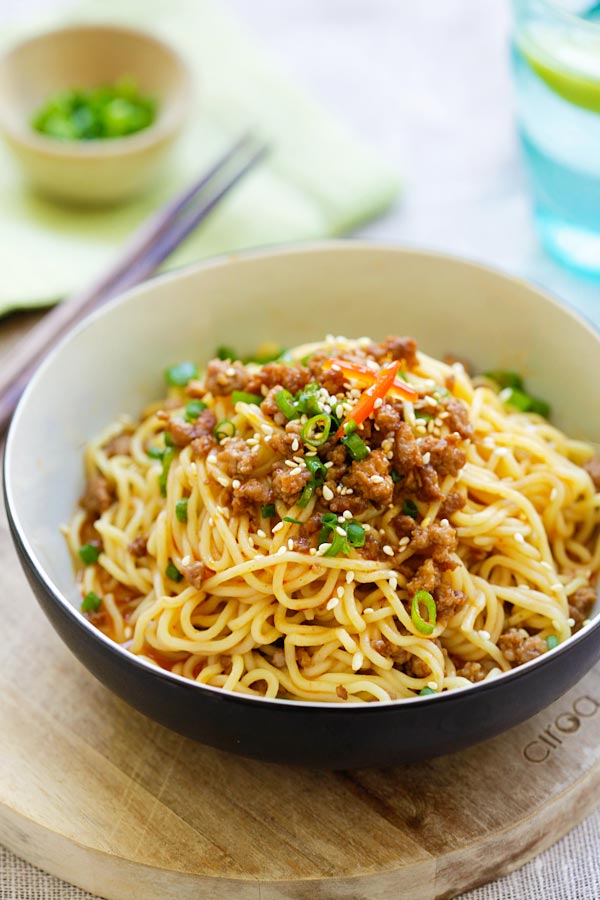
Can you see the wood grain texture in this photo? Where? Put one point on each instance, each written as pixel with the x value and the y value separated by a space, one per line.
pixel 92 791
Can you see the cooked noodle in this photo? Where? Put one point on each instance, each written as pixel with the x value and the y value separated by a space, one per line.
pixel 261 611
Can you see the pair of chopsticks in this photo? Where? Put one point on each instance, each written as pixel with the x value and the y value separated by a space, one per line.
pixel 149 247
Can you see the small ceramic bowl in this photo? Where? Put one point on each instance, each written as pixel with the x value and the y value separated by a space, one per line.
pixel 99 171
pixel 113 364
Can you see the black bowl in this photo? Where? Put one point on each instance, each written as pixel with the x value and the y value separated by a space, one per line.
pixel 43 474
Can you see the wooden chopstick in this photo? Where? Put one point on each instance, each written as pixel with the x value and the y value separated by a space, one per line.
pixel 151 244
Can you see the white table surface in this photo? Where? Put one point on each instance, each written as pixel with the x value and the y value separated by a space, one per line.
pixel 427 81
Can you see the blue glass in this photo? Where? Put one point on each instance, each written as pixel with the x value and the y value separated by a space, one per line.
pixel 556 65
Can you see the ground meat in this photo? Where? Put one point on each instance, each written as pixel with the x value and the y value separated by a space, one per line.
pixel 388 418
pixel 362 474
pixel 354 503
pixel 194 574
pixel 138 547
pixel 118 446
pixel 458 419
pixel 341 692
pixel 404 526
pixel 450 359
pixel 183 433
pixel 291 378
pixel 406 450
pixel 338 456
pixel 332 380
pixel 403 348
pixel 518 647
pixel 427 485
pixel 592 467
pixel 370 548
pixel 287 483
pixel 303 657
pixel 391 651
pixel 451 504
pixel 417 668
pixel 202 446
pixel 436 541
pixel 471 670
pixel 282 441
pixel 581 602
pixel 448 602
pixel 236 457
pixel 250 493
pixel 223 377
pixel 444 455
pixel 99 495
pixel 426 578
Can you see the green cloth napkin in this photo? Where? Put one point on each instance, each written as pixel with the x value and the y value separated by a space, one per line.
pixel 318 180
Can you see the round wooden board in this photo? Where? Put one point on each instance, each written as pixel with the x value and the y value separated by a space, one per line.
pixel 92 791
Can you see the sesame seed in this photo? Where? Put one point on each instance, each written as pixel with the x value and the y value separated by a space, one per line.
pixel 282 550
pixel 570 622
pixel 444 522
pixel 339 530
pixel 224 482
pixel 260 533
pixel 378 403
pixel 266 429
pixel 211 458
pixel 186 560
pixel 357 661
pixel 484 634
pixel 312 552
pixel 324 547
pixel 296 471
pixel 290 544
pixel 277 527
pixel 331 604
pixel 264 390
pixel 340 592
pixel 349 490
pixel 519 538
pixel 328 464
pixel 368 609
pixel 290 463
pixel 376 479
pixel 404 541
pixel 327 492
pixel 387 550
pixel 268 438
pixel 236 483
pixel 298 459
pixel 295 445
pixel 426 458
pixel 349 577
pixel 347 514
pixel 339 410
pixel 230 371
pixel 393 582
pixel 335 368
pixel 432 685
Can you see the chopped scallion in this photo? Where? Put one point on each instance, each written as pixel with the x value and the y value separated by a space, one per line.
pixel 268 511
pixel 193 410
pixel 155 452
pixel 316 431
pixel 306 400
pixel 339 544
pixel 224 428
pixel 167 458
pixel 285 402
pixel 424 597
pixel 552 641
pixel 396 477
pixel 356 534
pixel 505 379
pixel 293 521
pixel 426 691
pixel 317 470
pixel 181 509
pixel 410 508
pixel 91 602
pixel 168 440
pixel 224 352
pixel 181 373
pixel 89 554
pixel 173 572
pixel 305 497
pixel 355 446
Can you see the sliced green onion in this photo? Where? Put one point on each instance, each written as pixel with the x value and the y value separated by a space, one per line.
pixel 329 520
pixel 285 402
pixel 355 446
pixel 193 410
pixel 552 641
pixel 268 511
pixel 540 407
pixel 173 572
pixel 423 416
pixel 245 397
pixel 426 691
pixel 167 458
pixel 396 477
pixel 168 440
pixel 317 470
pixel 339 544
pixel 428 602
pixel 91 602
pixel 524 402
pixel 350 427
pixel 306 400
pixel 356 534
pixel 505 379
pixel 307 492
pixel 89 554
pixel 224 428
pixel 316 430
pixel 224 352
pixel 155 452
pixel 293 521
pixel 410 508
pixel 180 374
pixel 305 359
pixel 267 357
pixel 181 509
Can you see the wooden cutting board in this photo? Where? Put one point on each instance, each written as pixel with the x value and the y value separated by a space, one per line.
pixel 92 791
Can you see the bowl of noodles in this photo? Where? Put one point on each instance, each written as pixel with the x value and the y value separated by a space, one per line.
pixel 333 505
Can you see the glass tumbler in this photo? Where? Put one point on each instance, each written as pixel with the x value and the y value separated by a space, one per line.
pixel 556 65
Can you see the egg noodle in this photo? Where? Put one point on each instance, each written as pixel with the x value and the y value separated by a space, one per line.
pixel 275 619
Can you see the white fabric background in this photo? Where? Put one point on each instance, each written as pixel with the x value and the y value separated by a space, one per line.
pixel 428 82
